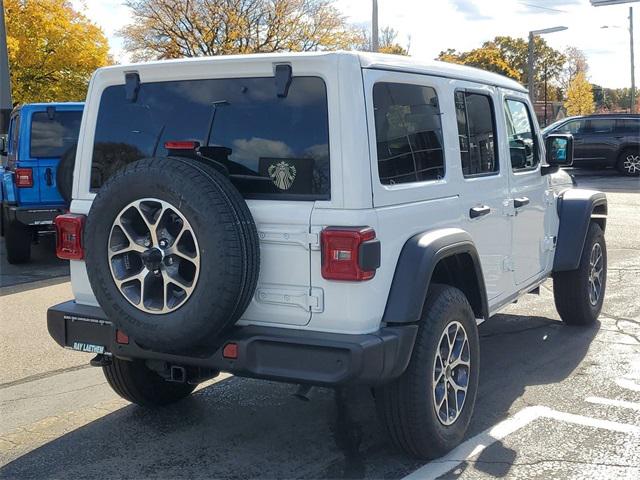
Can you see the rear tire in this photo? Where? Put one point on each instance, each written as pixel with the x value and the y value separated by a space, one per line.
pixel 138 384
pixel 629 162
pixel 17 241
pixel 408 406
pixel 574 292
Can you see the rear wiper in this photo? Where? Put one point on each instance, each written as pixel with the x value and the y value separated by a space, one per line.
pixel 219 103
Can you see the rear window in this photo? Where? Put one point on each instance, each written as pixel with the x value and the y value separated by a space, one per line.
pixel 271 146
pixel 53 133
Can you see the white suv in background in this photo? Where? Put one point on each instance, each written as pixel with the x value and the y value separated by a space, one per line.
pixel 321 219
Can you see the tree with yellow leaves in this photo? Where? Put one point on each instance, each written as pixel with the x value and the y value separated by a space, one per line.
pixel 579 96
pixel 192 28
pixel 53 50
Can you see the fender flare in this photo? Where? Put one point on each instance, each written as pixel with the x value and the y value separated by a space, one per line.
pixel 576 209
pixel 416 264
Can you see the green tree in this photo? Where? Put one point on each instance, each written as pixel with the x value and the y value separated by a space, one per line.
pixel 509 56
pixel 579 96
pixel 53 50
pixel 191 28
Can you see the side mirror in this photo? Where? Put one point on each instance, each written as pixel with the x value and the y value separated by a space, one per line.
pixel 559 150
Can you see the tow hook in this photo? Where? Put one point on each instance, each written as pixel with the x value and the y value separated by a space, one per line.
pixel 302 393
pixel 177 374
pixel 100 361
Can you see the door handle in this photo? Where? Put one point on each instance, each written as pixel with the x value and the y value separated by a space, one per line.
pixel 48 177
pixel 520 202
pixel 476 212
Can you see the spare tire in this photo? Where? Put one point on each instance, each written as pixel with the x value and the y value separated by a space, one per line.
pixel 64 174
pixel 172 253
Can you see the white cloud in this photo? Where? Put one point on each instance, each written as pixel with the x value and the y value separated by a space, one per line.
pixel 464 24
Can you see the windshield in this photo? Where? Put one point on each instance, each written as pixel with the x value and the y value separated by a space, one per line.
pixel 268 144
pixel 54 132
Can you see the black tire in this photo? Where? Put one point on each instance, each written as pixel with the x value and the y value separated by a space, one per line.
pixel 407 405
pixel 571 289
pixel 228 249
pixel 17 242
pixel 135 382
pixel 629 162
pixel 64 174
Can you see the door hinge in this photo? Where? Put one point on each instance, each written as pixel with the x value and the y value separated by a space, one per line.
pixel 304 239
pixel 549 243
pixel 312 301
pixel 507 208
pixel 507 264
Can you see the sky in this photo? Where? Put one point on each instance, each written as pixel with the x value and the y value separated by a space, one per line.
pixel 430 26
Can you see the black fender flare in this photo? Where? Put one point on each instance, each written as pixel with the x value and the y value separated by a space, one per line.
pixel 416 264
pixel 576 208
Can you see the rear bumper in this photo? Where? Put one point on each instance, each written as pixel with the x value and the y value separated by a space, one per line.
pixel 286 355
pixel 37 216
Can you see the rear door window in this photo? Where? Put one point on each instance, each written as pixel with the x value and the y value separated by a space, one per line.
pixel 271 146
pixel 408 133
pixel 600 126
pixel 53 133
pixel 476 133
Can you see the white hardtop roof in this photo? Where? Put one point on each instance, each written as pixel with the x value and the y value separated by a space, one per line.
pixel 379 61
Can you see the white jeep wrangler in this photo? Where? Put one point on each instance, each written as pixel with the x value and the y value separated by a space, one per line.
pixel 320 219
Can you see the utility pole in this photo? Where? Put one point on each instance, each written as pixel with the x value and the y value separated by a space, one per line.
pixel 633 66
pixel 5 86
pixel 531 69
pixel 375 43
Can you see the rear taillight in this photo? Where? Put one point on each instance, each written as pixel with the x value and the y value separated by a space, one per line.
pixel 24 177
pixel 69 236
pixel 349 253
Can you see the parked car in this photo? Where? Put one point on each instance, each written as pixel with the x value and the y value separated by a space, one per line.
pixel 601 141
pixel 40 134
pixel 321 219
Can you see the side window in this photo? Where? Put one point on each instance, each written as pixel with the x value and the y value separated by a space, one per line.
pixel 476 133
pixel 523 143
pixel 628 125
pixel 600 126
pixel 575 126
pixel 15 134
pixel 408 133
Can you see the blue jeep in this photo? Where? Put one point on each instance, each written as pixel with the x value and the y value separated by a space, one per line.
pixel 34 181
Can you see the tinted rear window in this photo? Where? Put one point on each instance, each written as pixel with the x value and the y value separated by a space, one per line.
pixel 628 125
pixel 271 146
pixel 53 134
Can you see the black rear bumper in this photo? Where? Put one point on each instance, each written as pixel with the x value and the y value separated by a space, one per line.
pixel 298 356
pixel 35 216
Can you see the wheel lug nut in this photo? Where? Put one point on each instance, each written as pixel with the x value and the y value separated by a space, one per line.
pixel 163 243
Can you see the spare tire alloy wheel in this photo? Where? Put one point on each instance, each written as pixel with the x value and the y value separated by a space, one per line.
pixel 451 370
pixel 153 255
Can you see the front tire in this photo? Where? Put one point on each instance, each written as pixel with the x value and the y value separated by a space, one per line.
pixel 17 241
pixel 579 294
pixel 428 409
pixel 138 384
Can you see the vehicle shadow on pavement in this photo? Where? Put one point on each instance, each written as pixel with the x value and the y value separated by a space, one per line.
pixel 243 428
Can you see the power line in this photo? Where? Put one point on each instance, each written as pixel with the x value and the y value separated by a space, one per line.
pixel 542 8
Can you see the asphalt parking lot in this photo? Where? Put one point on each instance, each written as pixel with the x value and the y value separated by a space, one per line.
pixel 554 401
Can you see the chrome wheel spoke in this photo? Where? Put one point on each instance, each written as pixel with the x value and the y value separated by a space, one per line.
pixel 153 261
pixel 451 368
